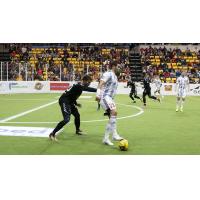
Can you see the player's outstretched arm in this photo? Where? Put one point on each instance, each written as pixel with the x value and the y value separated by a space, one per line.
pixel 99 89
pixel 89 89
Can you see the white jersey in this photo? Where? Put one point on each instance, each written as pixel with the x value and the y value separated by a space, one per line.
pixel 111 83
pixel 182 83
pixel 157 83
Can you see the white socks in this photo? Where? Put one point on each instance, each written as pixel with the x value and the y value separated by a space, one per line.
pixel 182 102
pixel 111 128
pixel 107 132
pixel 179 104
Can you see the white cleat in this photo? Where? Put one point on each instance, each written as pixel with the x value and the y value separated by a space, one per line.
pixel 117 138
pixel 108 142
pixel 177 110
pixel 181 109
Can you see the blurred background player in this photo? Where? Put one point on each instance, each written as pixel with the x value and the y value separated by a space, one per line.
pixel 69 105
pixel 98 103
pixel 105 94
pixel 133 92
pixel 158 85
pixel 147 89
pixel 182 84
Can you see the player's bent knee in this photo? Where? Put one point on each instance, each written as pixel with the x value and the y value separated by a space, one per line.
pixel 113 113
pixel 66 120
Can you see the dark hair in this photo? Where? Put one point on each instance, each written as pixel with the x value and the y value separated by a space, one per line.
pixel 113 63
pixel 87 78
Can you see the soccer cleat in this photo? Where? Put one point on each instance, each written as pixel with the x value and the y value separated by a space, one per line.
pixel 177 110
pixel 158 100
pixel 53 137
pixel 108 142
pixel 117 138
pixel 80 132
pixel 144 106
pixel 181 109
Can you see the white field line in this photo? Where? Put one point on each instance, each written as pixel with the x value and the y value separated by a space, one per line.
pixel 21 99
pixel 88 121
pixel 27 112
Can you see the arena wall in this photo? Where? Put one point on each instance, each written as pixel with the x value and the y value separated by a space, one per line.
pixel 11 87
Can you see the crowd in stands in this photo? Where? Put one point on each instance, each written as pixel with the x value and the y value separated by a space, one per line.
pixel 66 63
pixel 71 61
pixel 169 63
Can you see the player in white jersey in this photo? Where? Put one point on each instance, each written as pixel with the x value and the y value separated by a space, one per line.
pixel 105 94
pixel 158 85
pixel 182 86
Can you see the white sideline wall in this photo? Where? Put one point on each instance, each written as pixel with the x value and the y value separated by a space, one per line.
pixel 9 87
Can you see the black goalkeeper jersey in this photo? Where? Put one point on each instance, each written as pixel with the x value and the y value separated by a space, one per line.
pixel 74 93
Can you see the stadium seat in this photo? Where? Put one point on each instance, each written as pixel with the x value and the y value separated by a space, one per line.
pixel 168 80
pixel 173 80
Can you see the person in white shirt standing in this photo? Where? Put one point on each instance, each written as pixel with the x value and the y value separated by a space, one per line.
pixel 105 95
pixel 182 86
pixel 158 85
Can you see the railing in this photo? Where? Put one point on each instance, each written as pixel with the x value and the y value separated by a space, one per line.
pixel 25 71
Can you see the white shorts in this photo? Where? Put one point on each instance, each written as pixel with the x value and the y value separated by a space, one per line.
pixel 157 89
pixel 107 103
pixel 181 93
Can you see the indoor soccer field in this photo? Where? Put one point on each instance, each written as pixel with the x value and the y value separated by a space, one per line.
pixel 155 130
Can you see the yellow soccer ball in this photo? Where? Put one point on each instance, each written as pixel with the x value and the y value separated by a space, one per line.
pixel 123 145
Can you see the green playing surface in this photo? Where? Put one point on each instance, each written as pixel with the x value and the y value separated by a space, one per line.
pixel 158 130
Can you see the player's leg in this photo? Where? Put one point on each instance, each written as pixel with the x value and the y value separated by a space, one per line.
pixel 107 113
pixel 66 112
pixel 113 118
pixel 144 97
pixel 152 97
pixel 106 139
pixel 160 94
pixel 177 103
pixel 137 97
pixel 155 92
pixel 108 103
pixel 131 96
pixel 182 101
pixel 113 122
pixel 77 122
pixel 98 108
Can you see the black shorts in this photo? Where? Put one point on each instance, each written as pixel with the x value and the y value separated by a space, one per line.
pixel 133 91
pixel 147 91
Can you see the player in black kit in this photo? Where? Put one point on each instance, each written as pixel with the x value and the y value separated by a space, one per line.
pixel 147 89
pixel 133 92
pixel 69 105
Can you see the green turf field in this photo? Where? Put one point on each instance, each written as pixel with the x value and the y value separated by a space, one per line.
pixel 159 130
